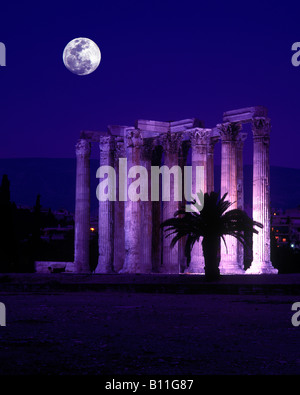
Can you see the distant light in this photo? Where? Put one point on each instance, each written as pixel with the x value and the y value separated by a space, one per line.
pixel 284 240
pixel 92 229
pixel 274 213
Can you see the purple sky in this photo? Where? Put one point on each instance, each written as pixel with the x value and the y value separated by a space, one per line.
pixel 161 60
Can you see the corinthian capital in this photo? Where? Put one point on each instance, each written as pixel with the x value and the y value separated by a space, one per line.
pixel 134 138
pixel 229 130
pixel 261 127
pixel 83 148
pixel 171 141
pixel 199 136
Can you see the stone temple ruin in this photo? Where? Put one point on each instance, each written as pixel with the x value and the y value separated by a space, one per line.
pixel 130 240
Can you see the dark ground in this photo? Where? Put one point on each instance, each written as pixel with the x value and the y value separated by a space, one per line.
pixel 116 332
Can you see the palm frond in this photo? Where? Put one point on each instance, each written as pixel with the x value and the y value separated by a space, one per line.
pixel 214 220
pixel 224 241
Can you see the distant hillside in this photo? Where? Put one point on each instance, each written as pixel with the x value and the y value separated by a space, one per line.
pixel 54 180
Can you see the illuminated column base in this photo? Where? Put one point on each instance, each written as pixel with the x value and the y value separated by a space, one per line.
pixel 229 259
pixel 261 268
pixel 197 263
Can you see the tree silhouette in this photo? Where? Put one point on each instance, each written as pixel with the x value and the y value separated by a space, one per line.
pixel 8 250
pixel 36 231
pixel 212 223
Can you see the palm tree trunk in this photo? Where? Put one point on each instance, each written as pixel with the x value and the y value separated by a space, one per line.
pixel 210 245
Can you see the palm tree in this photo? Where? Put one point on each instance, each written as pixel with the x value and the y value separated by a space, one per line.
pixel 212 223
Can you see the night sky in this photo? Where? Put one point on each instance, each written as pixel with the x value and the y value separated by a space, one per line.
pixel 161 60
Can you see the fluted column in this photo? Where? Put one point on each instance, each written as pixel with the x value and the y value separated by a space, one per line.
pixel 261 197
pixel 146 211
pixel 171 143
pixel 240 170
pixel 182 161
pixel 199 140
pixel 157 236
pixel 240 188
pixel 132 212
pixel 212 141
pixel 82 207
pixel 229 132
pixel 106 214
pixel 119 232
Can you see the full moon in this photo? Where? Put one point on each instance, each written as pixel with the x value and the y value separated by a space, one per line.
pixel 81 56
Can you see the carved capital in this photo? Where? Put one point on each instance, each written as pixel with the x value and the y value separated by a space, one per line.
pixel 134 138
pixel 199 136
pixel 171 142
pixel 261 127
pixel 83 148
pixel 229 131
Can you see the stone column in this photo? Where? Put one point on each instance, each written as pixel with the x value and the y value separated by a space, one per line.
pixel 199 141
pixel 106 214
pixel 132 214
pixel 171 144
pixel 229 131
pixel 82 207
pixel 119 232
pixel 261 197
pixel 157 236
pixel 182 161
pixel 146 211
pixel 240 169
pixel 212 141
pixel 240 189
